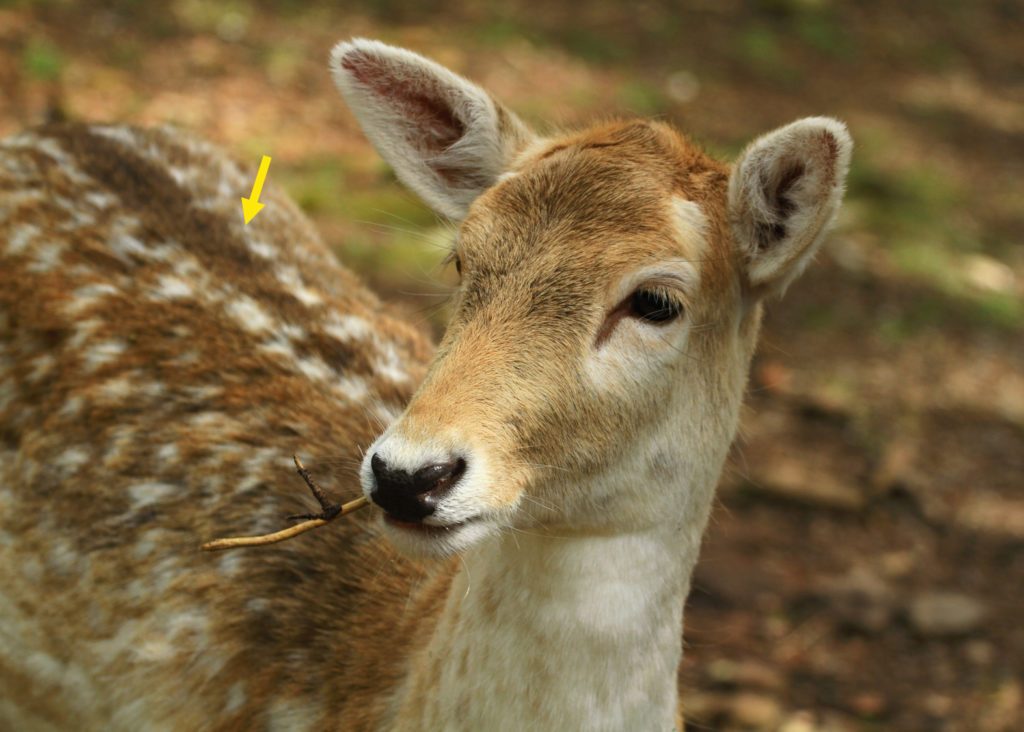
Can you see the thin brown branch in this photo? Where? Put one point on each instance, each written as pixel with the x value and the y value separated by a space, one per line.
pixel 329 512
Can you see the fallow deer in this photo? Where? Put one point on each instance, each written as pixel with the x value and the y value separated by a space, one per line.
pixel 545 475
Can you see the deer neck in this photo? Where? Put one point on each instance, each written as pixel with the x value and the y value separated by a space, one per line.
pixel 542 632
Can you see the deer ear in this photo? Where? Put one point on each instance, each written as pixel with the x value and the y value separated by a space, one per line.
pixel 783 194
pixel 446 138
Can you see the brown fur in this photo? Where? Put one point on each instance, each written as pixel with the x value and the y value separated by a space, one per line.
pixel 592 202
pixel 291 621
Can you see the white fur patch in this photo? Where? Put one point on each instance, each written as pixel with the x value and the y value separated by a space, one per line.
pixel 249 314
pixel 290 278
pixel 103 353
pixel 71 459
pixel 352 388
pixel 87 296
pixel 168 454
pixel 692 223
pixel 389 365
pixel 46 257
pixel 169 287
pixel 148 493
pixel 346 328
pixel 261 249
pixel 21 239
pixel 42 367
pixel 313 367
pixel 292 715
pixel 236 698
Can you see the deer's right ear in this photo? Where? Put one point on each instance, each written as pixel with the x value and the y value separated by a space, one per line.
pixel 446 138
pixel 783 194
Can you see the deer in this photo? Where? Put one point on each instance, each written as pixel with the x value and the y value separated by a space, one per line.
pixel 541 478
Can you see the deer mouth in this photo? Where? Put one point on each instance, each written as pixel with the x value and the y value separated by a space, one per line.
pixel 426 529
pixel 422 540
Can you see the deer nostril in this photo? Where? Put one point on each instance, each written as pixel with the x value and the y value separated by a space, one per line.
pixel 439 477
pixel 377 465
pixel 413 496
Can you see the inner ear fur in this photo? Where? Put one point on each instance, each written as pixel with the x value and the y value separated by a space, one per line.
pixel 784 192
pixel 446 138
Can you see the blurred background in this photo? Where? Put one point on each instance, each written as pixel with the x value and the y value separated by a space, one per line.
pixel 864 566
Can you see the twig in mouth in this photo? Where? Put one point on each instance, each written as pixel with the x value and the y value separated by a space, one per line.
pixel 328 512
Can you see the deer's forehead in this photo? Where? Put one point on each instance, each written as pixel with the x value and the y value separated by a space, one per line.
pixel 622 193
pixel 585 248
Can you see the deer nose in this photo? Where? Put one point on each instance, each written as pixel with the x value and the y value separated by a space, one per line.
pixel 413 496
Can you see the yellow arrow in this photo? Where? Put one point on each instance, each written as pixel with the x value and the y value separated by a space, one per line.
pixel 251 205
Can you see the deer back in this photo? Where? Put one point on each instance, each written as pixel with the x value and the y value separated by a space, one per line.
pixel 160 362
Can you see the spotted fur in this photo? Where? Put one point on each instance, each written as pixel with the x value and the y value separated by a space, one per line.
pixel 160 362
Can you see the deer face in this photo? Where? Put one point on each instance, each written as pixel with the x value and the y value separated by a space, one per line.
pixel 591 376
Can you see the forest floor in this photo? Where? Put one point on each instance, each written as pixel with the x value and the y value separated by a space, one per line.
pixel 864 567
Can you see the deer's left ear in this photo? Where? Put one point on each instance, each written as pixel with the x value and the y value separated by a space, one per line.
pixel 783 194
pixel 446 138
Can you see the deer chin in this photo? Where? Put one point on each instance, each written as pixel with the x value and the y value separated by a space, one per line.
pixel 426 540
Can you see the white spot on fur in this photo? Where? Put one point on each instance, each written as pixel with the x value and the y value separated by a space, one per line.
pixel 72 407
pixel 236 698
pixel 248 313
pixel 87 296
pixel 122 135
pixel 146 494
pixel 84 330
pixel 63 558
pixel 117 389
pixel 169 287
pixel 292 715
pixel 389 364
pixel 168 454
pixel 100 199
pixel 257 605
pixel 354 388
pixel 314 368
pixel 142 549
pixel 103 353
pixel 126 246
pixel 346 328
pixel 71 459
pixel 21 238
pixel 65 163
pixel 42 365
pixel 230 564
pixel 280 347
pixel 46 257
pixel 262 249
pixel 290 278
pixel 211 421
pixel 203 393
pixel 186 358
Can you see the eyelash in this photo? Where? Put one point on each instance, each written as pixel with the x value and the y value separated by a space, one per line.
pixel 654 306
pixel 454 258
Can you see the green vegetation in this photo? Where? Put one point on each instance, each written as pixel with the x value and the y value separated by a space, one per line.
pixel 41 60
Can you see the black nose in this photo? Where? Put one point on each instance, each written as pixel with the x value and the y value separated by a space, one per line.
pixel 413 496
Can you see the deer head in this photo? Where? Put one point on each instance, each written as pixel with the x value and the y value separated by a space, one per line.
pixel 610 297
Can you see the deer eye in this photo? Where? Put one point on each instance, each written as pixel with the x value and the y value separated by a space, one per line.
pixel 454 258
pixel 654 306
